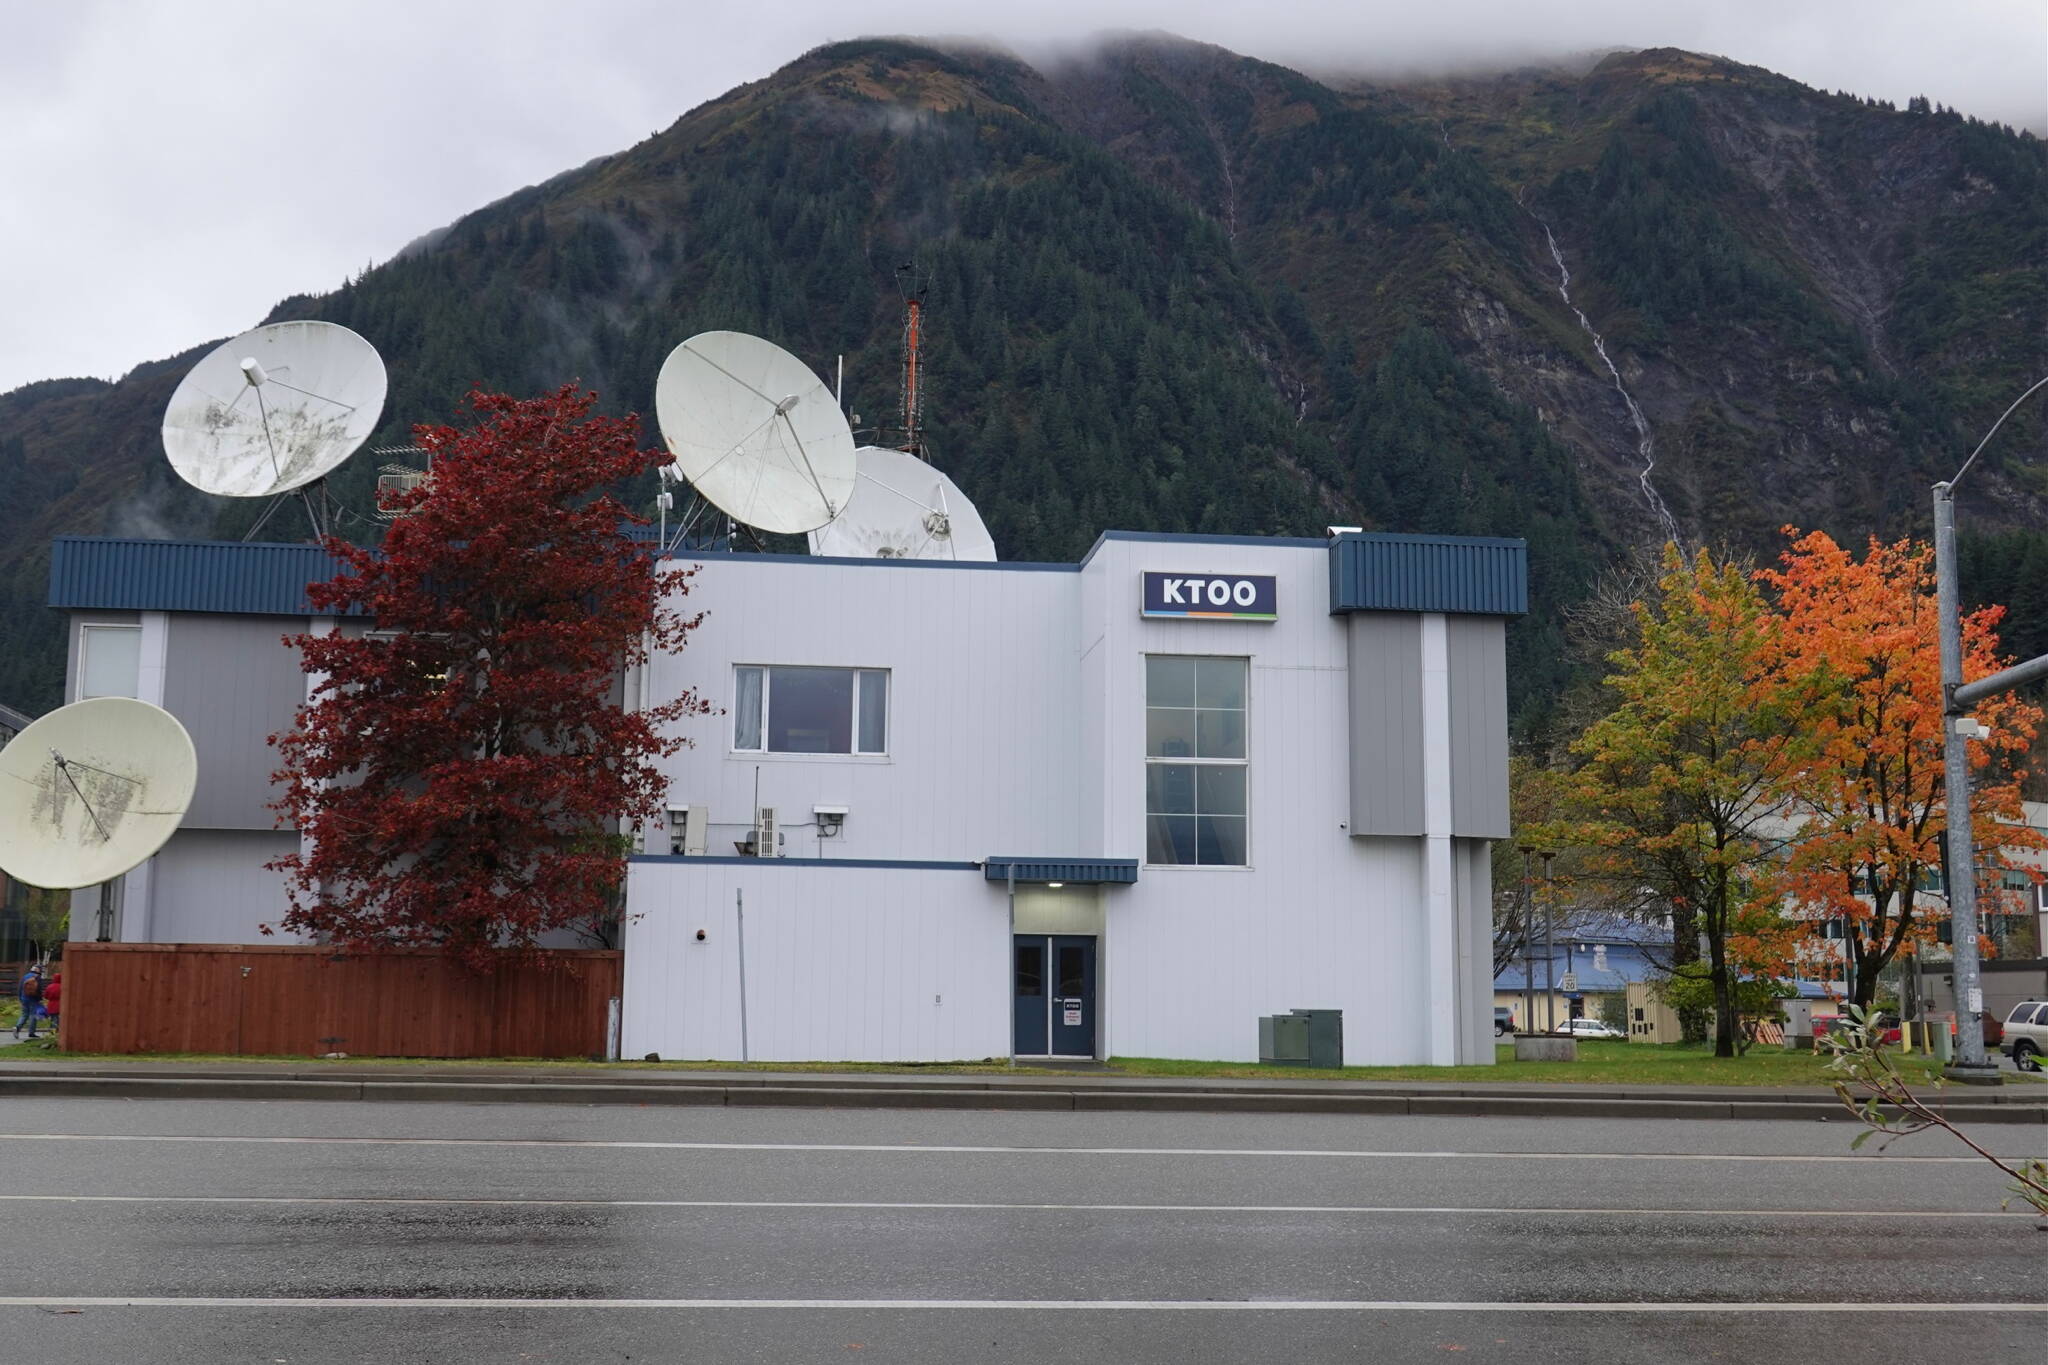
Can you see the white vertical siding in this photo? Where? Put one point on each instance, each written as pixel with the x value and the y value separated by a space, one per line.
pixel 151 667
pixel 843 964
pixel 1440 894
pixel 1017 726
pixel 984 705
pixel 1320 919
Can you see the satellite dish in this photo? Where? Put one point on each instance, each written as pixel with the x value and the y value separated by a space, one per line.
pixel 274 409
pixel 903 508
pixel 92 790
pixel 755 432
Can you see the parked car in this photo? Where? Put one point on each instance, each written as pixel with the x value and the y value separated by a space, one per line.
pixel 1590 1028
pixel 1994 1031
pixel 1503 1020
pixel 2026 1034
pixel 1886 1028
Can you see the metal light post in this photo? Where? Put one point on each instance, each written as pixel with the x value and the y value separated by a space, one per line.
pixel 1528 1023
pixel 1955 752
pixel 1549 948
pixel 1971 1063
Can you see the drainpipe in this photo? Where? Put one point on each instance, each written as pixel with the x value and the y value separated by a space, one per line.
pixel 1009 965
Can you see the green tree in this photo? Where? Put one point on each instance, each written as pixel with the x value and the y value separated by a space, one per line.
pixel 1674 794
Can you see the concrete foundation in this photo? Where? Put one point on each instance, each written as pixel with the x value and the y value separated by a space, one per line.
pixel 1542 1047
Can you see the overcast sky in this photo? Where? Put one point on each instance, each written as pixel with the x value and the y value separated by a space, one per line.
pixel 172 169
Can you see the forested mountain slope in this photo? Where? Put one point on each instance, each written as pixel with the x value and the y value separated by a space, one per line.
pixel 1175 289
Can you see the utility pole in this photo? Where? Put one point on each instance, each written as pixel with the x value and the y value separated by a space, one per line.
pixel 1957 728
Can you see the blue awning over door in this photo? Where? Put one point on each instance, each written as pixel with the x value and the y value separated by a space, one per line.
pixel 1077 871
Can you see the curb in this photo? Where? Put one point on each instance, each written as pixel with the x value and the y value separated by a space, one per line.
pixel 1036 1097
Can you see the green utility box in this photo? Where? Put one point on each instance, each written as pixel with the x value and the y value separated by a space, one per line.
pixel 1302 1038
pixel 1283 1040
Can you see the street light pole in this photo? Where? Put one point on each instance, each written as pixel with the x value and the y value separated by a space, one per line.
pixel 1971 1063
pixel 1528 1024
pixel 1549 949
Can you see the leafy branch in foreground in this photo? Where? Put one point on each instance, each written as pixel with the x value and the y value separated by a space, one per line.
pixel 1868 1081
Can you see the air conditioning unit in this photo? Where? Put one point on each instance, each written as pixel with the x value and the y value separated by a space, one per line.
pixel 765 841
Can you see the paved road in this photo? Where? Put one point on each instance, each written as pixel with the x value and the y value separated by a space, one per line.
pixel 173 1231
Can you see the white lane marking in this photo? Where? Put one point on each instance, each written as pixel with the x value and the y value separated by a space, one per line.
pixel 1042 1305
pixel 426 1201
pixel 920 1149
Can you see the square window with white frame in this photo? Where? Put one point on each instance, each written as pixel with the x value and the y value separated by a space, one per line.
pixel 109 661
pixel 806 710
pixel 1197 808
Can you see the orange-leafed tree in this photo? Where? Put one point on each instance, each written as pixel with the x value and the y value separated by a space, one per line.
pixel 1858 651
pixel 1675 793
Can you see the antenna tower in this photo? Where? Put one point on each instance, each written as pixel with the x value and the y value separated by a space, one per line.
pixel 913 361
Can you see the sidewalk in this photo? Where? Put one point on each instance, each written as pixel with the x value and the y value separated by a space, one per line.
pixel 1027 1089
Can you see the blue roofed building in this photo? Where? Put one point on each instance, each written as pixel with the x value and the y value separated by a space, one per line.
pixel 1598 956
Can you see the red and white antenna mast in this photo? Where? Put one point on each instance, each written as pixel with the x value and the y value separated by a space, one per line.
pixel 913 362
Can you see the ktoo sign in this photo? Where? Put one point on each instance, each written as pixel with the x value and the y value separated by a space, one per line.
pixel 1213 597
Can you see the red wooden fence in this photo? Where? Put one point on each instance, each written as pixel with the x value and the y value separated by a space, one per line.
pixel 255 1000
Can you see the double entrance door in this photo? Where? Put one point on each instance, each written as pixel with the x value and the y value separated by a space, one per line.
pixel 1055 996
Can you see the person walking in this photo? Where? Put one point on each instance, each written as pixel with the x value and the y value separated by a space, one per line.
pixel 53 999
pixel 30 994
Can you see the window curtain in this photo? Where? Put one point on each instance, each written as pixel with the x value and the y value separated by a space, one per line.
pixel 746 711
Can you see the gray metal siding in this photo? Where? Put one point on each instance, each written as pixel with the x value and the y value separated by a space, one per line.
pixel 185 575
pixel 1386 723
pixel 1479 727
pixel 1428 573
pixel 210 886
pixel 1475 951
pixel 233 684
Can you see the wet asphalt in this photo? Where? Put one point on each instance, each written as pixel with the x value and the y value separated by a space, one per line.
pixel 256 1231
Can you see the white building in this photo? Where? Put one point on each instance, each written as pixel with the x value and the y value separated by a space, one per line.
pixel 1120 807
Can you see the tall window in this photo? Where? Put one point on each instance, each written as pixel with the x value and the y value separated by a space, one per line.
pixel 1195 765
pixel 109 661
pixel 810 710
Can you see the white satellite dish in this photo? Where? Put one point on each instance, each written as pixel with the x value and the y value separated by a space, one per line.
pixel 755 432
pixel 92 790
pixel 274 409
pixel 903 508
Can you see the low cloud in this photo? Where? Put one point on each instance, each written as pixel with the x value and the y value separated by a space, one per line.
pixel 170 178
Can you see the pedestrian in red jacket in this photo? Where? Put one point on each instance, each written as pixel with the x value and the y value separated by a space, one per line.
pixel 53 999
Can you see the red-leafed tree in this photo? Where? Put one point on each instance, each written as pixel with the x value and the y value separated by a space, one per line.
pixel 464 763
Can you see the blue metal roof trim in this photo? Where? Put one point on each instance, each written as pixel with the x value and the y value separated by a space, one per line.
pixel 230 577
pixel 1082 871
pixel 1466 574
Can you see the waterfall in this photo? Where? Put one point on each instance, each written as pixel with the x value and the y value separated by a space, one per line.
pixel 1646 448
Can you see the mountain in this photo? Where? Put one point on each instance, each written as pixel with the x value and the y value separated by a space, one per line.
pixel 1174 288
